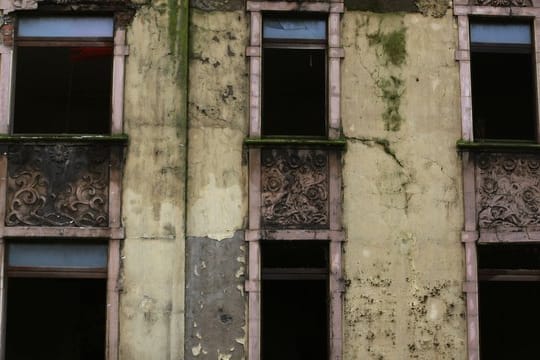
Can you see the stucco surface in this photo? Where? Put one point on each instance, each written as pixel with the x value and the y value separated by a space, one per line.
pixel 217 192
pixel 152 297
pixel 402 188
pixel 217 187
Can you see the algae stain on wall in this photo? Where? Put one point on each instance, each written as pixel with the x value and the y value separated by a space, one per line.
pixel 392 53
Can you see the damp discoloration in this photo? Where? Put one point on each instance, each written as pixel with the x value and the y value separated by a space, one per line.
pixel 215 309
pixel 217 112
pixel 402 189
pixel 153 202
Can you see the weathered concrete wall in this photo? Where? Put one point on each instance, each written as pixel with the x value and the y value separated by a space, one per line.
pixel 152 298
pixel 402 188
pixel 217 187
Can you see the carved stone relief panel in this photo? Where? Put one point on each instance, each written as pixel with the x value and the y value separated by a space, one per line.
pixel 58 185
pixel 508 190
pixel 503 2
pixel 294 188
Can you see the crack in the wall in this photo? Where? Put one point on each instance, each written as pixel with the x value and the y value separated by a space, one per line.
pixel 384 144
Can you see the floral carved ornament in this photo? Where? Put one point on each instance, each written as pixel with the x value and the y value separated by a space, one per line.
pixel 294 188
pixel 508 191
pixel 57 185
pixel 504 2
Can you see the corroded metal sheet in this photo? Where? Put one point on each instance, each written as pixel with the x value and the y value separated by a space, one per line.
pixel 294 188
pixel 58 185
pixel 508 190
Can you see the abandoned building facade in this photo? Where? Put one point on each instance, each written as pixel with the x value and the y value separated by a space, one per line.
pixel 230 179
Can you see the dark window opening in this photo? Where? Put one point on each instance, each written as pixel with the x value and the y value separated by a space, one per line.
pixel 503 94
pixel 509 318
pixel 509 256
pixel 63 90
pixel 55 319
pixel 294 92
pixel 509 294
pixel 294 300
pixel 503 80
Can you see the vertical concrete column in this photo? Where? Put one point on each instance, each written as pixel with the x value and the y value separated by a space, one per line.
pixel 469 237
pixel 463 56
pixel 536 40
pixel 113 300
pixel 254 52
pixel 120 52
pixel 335 53
pixel 6 61
pixel 253 283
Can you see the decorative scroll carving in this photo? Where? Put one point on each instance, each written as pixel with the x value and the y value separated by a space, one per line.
pixel 508 190
pixel 58 185
pixel 504 2
pixel 294 188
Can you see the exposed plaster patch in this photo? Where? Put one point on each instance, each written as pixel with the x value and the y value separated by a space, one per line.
pixel 196 350
pixel 239 272
pixel 222 356
pixel 212 298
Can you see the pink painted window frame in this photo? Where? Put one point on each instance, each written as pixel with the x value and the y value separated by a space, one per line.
pixel 114 232
pixel 470 237
pixel 334 235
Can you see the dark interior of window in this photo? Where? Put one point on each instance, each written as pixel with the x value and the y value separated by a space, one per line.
pixel 55 319
pixel 509 256
pixel 509 318
pixel 503 95
pixel 294 92
pixel 294 300
pixel 63 90
pixel 508 303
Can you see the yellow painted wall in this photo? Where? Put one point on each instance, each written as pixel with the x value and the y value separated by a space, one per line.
pixel 152 297
pixel 402 188
pixel 401 175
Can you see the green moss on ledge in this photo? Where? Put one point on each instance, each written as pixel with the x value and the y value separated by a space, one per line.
pixel 498 145
pixel 71 138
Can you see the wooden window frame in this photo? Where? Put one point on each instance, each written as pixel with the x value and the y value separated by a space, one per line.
pixel 114 233
pixel 464 10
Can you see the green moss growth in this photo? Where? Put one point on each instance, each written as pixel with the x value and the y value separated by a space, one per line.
pixel 392 89
pixel 393 45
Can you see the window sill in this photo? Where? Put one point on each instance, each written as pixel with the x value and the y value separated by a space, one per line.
pixel 494 146
pixel 258 142
pixel 71 138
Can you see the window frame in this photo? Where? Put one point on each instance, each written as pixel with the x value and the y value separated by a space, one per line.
pixel 255 232
pixel 296 44
pixel 8 64
pixel 59 42
pixel 114 233
pixel 334 53
pixel 464 10
pixel 506 48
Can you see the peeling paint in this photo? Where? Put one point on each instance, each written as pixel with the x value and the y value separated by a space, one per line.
pixel 196 350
